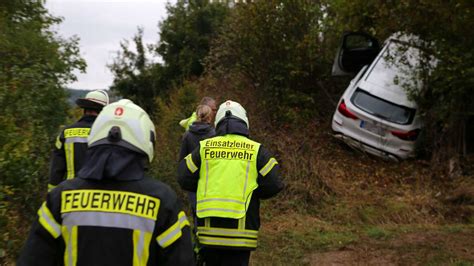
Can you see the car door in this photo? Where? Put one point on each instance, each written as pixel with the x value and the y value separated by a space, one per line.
pixel 356 50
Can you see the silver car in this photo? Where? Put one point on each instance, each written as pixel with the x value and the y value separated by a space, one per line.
pixel 375 114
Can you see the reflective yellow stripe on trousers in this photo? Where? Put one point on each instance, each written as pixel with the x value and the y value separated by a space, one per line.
pixel 69 150
pixel 141 244
pixel 229 242
pixel 239 237
pixel 70 240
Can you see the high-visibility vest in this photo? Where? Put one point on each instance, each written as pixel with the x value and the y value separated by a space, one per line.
pixel 227 176
pixel 187 122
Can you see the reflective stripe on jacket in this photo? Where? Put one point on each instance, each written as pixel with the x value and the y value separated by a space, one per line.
pixel 123 223
pixel 228 176
pixel 70 151
pixel 240 232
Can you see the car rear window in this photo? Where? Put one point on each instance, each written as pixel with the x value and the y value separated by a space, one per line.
pixel 382 108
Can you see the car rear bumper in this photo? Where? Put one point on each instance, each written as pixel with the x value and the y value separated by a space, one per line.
pixel 348 131
pixel 356 144
pixel 365 147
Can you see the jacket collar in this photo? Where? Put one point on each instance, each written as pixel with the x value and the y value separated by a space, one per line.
pixel 113 162
pixel 88 118
pixel 231 125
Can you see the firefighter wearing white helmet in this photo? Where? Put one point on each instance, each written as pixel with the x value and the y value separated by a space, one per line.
pixel 233 109
pixel 230 174
pixel 112 214
pixel 71 144
pixel 124 124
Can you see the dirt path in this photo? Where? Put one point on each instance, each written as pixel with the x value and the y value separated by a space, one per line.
pixel 418 248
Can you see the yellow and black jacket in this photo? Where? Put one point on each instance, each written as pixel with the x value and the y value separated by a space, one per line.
pixel 110 215
pixel 70 150
pixel 230 174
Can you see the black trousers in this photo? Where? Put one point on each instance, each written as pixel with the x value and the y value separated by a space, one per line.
pixel 224 257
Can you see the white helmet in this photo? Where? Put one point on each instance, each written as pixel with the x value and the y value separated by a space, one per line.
pixel 94 100
pixel 231 108
pixel 125 124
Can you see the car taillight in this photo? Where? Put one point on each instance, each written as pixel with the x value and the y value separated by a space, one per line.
pixel 411 135
pixel 342 108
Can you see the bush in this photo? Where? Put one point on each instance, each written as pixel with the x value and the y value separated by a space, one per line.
pixel 182 102
pixel 277 45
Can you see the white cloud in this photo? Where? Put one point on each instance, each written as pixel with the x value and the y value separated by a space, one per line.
pixel 101 26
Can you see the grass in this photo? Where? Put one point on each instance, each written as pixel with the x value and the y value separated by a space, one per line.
pixel 443 258
pixel 302 243
pixel 455 228
pixel 378 233
pixel 292 246
pixel 356 228
pixel 457 262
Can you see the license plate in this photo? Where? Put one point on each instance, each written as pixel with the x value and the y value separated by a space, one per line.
pixel 372 128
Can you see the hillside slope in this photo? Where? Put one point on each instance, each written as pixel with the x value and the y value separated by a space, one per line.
pixel 343 207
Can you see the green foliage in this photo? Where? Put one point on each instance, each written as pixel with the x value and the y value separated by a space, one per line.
pixel 34 66
pixel 378 233
pixel 277 44
pixel 185 36
pixel 181 104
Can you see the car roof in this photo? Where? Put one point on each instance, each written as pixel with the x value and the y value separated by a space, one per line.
pixel 389 74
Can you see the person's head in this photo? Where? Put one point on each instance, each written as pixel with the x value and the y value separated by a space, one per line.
pixel 93 102
pixel 231 109
pixel 204 114
pixel 212 104
pixel 124 124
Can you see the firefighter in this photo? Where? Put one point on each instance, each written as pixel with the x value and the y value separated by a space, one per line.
pixel 230 174
pixel 71 144
pixel 111 214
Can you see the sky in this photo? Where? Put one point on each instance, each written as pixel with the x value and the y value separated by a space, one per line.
pixel 101 25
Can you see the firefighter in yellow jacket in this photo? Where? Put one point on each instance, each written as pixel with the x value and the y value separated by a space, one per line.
pixel 230 174
pixel 111 214
pixel 71 144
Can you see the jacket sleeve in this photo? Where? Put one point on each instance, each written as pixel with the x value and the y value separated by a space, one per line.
pixel 188 170
pixel 44 246
pixel 174 235
pixel 184 150
pixel 269 181
pixel 57 168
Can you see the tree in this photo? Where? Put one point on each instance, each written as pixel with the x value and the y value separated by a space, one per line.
pixel 185 37
pixel 135 77
pixel 277 45
pixel 34 67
